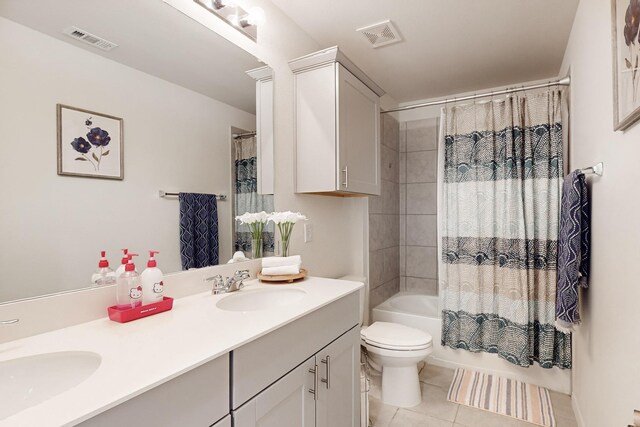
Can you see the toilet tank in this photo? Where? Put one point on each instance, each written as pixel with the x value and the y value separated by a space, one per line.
pixel 364 296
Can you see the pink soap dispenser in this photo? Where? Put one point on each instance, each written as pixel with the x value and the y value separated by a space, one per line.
pixel 123 262
pixel 104 275
pixel 152 284
pixel 129 286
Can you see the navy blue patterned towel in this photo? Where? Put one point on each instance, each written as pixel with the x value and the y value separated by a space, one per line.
pixel 573 249
pixel 198 230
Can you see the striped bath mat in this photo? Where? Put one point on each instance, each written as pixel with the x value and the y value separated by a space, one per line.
pixel 502 396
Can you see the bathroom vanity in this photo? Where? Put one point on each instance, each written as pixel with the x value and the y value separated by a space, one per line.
pixel 265 355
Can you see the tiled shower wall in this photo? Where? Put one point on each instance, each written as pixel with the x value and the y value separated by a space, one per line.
pixel 418 206
pixel 384 219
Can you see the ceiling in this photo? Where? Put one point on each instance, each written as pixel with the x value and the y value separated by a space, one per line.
pixel 153 38
pixel 450 46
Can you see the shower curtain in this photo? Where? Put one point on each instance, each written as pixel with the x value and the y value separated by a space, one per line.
pixel 501 166
pixel 246 197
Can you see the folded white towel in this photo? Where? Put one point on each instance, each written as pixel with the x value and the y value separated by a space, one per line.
pixel 281 271
pixel 238 256
pixel 278 261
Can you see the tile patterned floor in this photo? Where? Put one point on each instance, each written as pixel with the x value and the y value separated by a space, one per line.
pixel 436 411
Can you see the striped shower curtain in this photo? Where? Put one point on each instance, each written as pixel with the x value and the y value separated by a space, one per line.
pixel 246 197
pixel 500 179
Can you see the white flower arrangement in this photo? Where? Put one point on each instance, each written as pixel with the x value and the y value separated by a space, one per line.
pixel 285 222
pixel 255 221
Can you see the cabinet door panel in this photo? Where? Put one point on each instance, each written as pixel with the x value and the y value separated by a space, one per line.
pixel 358 135
pixel 286 403
pixel 315 122
pixel 338 402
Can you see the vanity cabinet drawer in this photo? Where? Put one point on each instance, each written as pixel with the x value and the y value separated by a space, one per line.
pixel 260 363
pixel 199 397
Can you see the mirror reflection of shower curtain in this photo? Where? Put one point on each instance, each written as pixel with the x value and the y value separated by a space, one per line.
pixel 246 197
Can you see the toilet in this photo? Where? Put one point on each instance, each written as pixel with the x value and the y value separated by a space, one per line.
pixel 394 350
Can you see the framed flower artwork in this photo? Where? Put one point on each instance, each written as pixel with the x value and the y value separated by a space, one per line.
pixel 90 144
pixel 625 16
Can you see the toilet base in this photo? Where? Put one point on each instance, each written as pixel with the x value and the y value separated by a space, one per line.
pixel 401 386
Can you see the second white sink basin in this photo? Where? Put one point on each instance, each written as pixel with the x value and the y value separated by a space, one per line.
pixel 260 299
pixel 28 381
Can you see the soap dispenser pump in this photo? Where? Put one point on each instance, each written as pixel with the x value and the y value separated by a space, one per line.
pixel 152 284
pixel 123 262
pixel 129 286
pixel 104 275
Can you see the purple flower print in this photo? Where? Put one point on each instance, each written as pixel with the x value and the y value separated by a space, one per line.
pixel 81 145
pixel 101 138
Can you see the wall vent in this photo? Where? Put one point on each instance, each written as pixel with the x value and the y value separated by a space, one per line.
pixel 381 34
pixel 87 37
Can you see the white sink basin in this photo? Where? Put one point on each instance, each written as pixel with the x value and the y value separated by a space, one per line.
pixel 28 381
pixel 260 299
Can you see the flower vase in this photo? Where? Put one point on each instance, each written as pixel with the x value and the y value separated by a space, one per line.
pixel 256 248
pixel 285 247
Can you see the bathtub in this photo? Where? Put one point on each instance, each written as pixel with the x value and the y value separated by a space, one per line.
pixel 422 312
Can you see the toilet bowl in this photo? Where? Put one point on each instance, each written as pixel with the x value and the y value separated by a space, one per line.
pixel 394 350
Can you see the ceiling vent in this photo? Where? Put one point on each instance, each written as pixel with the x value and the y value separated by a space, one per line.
pixel 87 37
pixel 381 34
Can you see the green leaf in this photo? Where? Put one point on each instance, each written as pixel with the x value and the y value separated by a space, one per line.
pixel 106 153
pixel 95 157
pixel 626 61
pixel 81 159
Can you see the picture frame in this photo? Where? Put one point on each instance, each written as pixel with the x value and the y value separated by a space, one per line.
pixel 90 144
pixel 625 21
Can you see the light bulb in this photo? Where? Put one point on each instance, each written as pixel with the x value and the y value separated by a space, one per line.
pixel 256 16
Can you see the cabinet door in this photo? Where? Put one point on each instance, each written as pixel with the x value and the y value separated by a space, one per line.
pixel 286 403
pixel 338 402
pixel 358 135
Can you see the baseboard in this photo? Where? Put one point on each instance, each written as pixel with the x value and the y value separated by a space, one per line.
pixel 576 411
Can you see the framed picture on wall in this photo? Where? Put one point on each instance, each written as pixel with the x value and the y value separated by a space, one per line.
pixel 625 16
pixel 90 144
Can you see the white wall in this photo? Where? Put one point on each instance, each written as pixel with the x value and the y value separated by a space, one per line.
pixel 52 227
pixel 606 346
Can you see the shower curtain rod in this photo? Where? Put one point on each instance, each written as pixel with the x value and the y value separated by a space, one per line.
pixel 561 82
pixel 242 135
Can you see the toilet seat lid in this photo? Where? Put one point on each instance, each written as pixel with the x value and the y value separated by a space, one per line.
pixel 395 336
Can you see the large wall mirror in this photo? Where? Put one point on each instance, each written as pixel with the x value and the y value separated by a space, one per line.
pixel 188 114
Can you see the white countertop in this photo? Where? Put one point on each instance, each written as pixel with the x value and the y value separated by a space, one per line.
pixel 144 353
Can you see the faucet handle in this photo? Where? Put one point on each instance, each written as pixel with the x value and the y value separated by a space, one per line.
pixel 241 274
pixel 217 280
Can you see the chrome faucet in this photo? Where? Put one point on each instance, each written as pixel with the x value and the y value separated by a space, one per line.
pixel 9 322
pixel 230 284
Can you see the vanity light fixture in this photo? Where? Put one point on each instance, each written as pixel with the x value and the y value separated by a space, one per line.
pixel 229 11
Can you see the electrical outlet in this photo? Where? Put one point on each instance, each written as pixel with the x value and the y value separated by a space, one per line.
pixel 308 232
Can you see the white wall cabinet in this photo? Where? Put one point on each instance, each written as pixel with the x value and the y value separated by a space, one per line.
pixel 337 121
pixel 264 128
pixel 322 392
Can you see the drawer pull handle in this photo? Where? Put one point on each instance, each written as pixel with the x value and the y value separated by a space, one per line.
pixel 313 390
pixel 345 184
pixel 327 381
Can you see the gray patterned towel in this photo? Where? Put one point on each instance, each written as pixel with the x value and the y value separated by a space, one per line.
pixel 573 249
